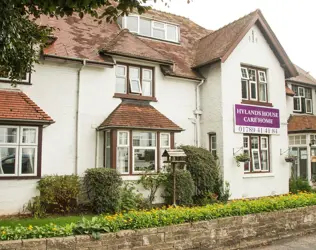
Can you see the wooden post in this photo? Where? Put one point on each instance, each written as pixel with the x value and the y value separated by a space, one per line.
pixel 174 184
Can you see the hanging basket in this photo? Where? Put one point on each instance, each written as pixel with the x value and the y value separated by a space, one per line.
pixel 290 159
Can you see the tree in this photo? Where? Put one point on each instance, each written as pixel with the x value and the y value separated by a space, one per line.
pixel 21 37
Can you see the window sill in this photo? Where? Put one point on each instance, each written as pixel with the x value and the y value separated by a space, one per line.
pixel 258 175
pixel 135 97
pixel 257 103
pixel 19 177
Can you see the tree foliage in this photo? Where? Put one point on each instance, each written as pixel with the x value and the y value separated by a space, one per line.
pixel 21 37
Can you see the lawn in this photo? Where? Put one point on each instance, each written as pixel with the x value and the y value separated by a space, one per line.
pixel 58 220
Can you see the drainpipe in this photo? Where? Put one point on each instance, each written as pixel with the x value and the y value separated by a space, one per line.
pixel 77 116
pixel 198 113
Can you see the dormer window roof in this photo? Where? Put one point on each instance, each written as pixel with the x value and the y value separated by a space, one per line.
pixel 150 28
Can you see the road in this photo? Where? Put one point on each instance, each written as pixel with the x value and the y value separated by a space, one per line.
pixel 297 243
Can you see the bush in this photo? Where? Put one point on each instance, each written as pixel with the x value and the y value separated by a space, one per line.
pixel 129 199
pixel 205 172
pixel 152 182
pixel 160 217
pixel 102 186
pixel 298 185
pixel 58 194
pixel 184 187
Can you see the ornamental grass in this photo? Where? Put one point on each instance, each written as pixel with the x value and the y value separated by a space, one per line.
pixel 159 217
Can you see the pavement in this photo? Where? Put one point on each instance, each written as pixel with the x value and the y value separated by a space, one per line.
pixel 297 243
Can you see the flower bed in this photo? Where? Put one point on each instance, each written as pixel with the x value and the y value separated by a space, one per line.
pixel 160 217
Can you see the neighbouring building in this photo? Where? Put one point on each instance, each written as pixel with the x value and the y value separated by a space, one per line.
pixel 117 95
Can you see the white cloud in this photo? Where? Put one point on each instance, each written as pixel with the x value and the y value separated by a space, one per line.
pixel 293 21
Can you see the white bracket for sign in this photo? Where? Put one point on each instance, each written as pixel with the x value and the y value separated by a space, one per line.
pixel 238 149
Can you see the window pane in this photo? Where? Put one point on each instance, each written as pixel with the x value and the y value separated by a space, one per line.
pixel 134 73
pixel 255 142
pixel 108 139
pixel 301 91
pixel 213 142
pixel 146 88
pixel 244 73
pixel 297 103
pixel 295 89
pixel 246 142
pixel 120 86
pixel 108 157
pixel 291 140
pixel 8 135
pixel 255 160
pixel 165 140
pixel 122 160
pixel 303 139
pixel 308 93
pixel 160 34
pixel 171 32
pixel 135 86
pixel 144 139
pixel 120 21
pixel 264 143
pixel 244 89
pixel 253 89
pixel 28 161
pixel 252 75
pixel 147 74
pixel 159 25
pixel 262 92
pixel 144 159
pixel 145 27
pixel 308 106
pixel 264 160
pixel 120 70
pixel 132 23
pixel 246 164
pixel 123 138
pixel 29 135
pixel 262 76
pixel 7 160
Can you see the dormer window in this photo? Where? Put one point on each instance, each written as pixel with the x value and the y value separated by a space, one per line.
pixel 134 80
pixel 150 28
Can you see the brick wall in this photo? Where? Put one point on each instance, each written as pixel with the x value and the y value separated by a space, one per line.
pixel 233 232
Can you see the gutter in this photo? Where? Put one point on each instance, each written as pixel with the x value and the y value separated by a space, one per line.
pixel 198 112
pixel 77 117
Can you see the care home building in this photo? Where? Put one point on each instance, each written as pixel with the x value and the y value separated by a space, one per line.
pixel 117 95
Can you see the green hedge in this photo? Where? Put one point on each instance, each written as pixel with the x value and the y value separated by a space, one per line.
pixel 161 217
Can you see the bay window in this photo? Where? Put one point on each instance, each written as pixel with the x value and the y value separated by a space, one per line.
pixel 18 151
pixel 257 147
pixel 254 84
pixel 302 100
pixel 134 80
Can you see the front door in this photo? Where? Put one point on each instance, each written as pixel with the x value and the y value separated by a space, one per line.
pixel 299 167
pixel 313 163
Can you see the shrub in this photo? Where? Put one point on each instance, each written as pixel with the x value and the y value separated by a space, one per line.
pixel 129 199
pixel 102 186
pixel 160 217
pixel 205 172
pixel 184 187
pixel 58 194
pixel 299 184
pixel 152 183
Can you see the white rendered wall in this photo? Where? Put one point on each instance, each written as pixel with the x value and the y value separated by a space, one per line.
pixel 54 87
pixel 254 185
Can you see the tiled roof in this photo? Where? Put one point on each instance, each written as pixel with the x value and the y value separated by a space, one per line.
pixel 215 45
pixel 131 114
pixel 303 77
pixel 15 105
pixel 289 91
pixel 299 123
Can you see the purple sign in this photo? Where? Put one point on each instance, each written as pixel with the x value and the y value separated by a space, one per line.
pixel 255 119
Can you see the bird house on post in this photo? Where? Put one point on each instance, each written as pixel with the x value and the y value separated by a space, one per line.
pixel 177 159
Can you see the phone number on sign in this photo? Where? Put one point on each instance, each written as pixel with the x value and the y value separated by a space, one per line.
pixel 256 130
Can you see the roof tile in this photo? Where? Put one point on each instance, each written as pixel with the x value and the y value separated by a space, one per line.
pixel 299 123
pixel 303 77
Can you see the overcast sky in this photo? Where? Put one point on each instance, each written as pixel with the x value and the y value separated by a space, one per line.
pixel 293 21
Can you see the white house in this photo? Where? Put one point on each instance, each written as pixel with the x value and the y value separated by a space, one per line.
pixel 116 95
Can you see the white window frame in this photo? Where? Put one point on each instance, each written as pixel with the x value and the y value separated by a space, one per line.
pixel 133 90
pixel 300 103
pixel 123 146
pixel 144 147
pixel 126 21
pixel 248 152
pixel 163 148
pixel 21 80
pixel 250 86
pixel 253 161
pixel 107 134
pixel 241 72
pixel 264 149
pixel 262 73
pixel 148 80
pixel 311 106
pixel 19 146
pixel 122 77
pixel 251 69
pixel 247 88
pixel 212 136
pixel 265 92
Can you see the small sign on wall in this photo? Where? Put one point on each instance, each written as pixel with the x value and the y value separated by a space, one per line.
pixel 256 120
